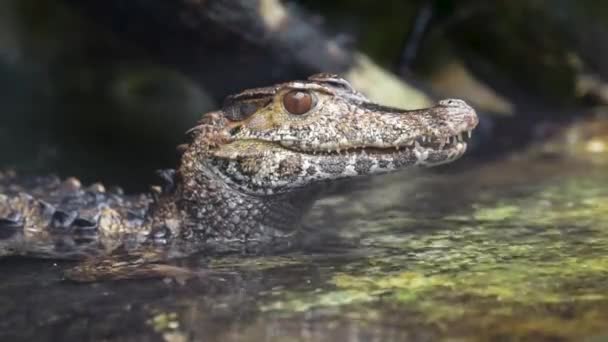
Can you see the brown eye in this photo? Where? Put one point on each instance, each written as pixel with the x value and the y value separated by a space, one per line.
pixel 297 102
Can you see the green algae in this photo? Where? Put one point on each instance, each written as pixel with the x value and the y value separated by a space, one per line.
pixel 510 264
pixel 164 321
pixel 500 213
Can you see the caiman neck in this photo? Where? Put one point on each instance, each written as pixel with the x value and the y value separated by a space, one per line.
pixel 207 209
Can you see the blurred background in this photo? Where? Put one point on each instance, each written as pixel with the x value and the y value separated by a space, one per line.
pixel 105 90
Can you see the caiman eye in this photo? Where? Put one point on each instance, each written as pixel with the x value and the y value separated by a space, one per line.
pixel 297 102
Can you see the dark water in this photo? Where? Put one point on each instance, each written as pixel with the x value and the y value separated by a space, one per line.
pixel 511 250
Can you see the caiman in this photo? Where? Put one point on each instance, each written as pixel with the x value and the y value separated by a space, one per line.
pixel 250 172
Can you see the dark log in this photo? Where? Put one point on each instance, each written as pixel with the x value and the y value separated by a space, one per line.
pixel 223 44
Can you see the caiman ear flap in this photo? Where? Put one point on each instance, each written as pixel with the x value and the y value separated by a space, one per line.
pixel 241 109
pixel 240 106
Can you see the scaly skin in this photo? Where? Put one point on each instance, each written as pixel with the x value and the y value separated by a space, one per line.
pixel 251 171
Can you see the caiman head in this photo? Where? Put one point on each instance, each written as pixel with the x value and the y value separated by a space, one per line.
pixel 277 139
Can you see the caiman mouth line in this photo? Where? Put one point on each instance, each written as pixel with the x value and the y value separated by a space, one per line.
pixel 421 143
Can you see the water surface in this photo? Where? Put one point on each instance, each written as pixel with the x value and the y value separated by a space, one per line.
pixel 506 250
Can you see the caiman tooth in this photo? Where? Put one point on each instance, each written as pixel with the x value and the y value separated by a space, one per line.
pixel 469 134
pixel 442 143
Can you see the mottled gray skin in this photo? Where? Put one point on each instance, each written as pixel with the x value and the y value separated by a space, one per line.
pixel 250 173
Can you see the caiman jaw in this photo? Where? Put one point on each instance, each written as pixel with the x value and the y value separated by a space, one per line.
pixel 299 133
pixel 418 146
pixel 425 137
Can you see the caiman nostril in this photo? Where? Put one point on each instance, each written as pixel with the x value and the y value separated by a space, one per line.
pixel 456 103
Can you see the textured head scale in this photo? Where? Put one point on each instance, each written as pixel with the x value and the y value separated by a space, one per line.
pixel 275 139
